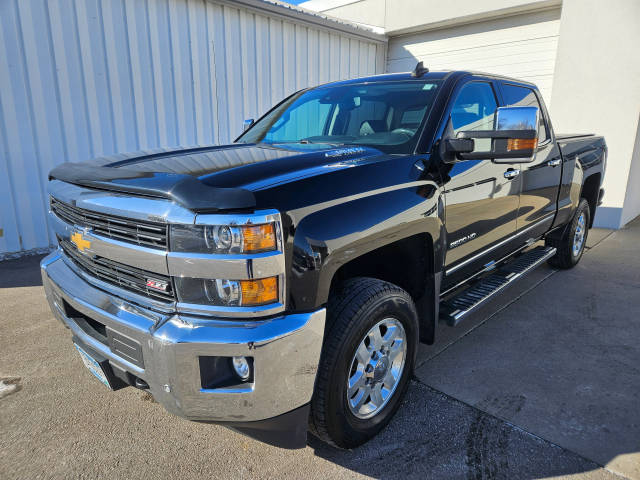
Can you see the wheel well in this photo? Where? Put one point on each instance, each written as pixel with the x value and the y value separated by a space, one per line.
pixel 590 192
pixel 407 263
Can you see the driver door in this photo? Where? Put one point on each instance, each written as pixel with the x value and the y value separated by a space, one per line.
pixel 481 197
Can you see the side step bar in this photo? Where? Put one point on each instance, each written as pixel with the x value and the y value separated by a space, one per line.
pixel 453 310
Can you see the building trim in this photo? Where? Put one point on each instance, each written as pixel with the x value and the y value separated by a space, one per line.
pixel 477 17
pixel 300 15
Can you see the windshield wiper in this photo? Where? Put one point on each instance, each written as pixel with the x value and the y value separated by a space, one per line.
pixel 322 143
pixel 303 142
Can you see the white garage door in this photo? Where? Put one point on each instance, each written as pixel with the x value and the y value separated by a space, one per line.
pixel 521 46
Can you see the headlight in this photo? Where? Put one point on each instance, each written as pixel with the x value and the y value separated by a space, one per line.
pixel 227 293
pixel 224 238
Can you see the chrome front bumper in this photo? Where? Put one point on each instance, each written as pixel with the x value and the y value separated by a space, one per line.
pixel 285 350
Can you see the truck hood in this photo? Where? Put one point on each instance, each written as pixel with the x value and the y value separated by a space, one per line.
pixel 208 179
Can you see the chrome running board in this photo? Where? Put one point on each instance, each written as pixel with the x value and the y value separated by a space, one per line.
pixel 455 309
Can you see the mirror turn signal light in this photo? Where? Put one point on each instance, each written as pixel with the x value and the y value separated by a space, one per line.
pixel 259 292
pixel 521 144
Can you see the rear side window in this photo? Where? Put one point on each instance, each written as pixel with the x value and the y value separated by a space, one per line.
pixel 515 96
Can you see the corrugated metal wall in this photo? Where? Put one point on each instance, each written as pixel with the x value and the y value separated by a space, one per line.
pixel 83 78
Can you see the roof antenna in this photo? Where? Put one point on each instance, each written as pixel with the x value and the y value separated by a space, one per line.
pixel 420 70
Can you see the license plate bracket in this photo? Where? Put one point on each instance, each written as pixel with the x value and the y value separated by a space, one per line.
pixel 94 366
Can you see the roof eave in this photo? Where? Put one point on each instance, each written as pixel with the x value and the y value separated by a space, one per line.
pixel 301 15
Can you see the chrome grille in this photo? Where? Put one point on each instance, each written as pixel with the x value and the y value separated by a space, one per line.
pixel 115 273
pixel 148 234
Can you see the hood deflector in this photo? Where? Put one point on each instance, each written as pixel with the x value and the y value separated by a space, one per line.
pixel 186 190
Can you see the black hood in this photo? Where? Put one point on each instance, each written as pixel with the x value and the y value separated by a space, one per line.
pixel 213 178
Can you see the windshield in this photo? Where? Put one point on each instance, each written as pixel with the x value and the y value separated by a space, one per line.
pixel 386 115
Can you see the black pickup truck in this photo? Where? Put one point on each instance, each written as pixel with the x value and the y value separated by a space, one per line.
pixel 281 284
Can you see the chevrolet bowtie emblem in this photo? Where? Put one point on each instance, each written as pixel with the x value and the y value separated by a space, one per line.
pixel 80 242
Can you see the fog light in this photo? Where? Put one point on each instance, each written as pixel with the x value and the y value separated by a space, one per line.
pixel 241 366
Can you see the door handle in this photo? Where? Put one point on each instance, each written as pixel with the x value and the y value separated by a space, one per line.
pixel 511 173
pixel 554 162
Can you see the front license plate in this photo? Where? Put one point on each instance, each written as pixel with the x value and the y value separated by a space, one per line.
pixel 93 366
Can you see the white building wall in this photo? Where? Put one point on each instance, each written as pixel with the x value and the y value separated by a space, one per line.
pixel 521 46
pixel 399 17
pixel 596 89
pixel 85 78
pixel 371 13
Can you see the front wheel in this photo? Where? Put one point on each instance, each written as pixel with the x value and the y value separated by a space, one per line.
pixel 366 362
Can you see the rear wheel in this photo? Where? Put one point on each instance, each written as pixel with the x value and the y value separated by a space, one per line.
pixel 571 244
pixel 366 362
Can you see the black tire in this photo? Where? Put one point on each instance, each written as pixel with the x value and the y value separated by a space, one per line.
pixel 565 257
pixel 355 308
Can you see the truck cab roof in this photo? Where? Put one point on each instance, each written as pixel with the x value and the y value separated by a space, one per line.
pixel 439 75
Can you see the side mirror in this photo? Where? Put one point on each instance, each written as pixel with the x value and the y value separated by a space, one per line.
pixel 246 125
pixel 514 139
pixel 459 145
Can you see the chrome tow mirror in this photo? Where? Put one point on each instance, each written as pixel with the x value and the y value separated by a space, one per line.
pixel 514 139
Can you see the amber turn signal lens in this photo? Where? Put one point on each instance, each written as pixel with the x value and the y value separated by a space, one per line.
pixel 259 292
pixel 521 144
pixel 259 238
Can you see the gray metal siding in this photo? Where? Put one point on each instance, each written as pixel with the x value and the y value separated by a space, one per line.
pixel 84 78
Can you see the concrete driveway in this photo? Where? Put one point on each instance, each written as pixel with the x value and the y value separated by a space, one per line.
pixel 543 382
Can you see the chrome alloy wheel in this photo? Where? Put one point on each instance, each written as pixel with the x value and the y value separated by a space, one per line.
pixel 578 237
pixel 376 368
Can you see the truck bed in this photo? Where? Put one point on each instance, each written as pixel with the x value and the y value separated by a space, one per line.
pixel 568 136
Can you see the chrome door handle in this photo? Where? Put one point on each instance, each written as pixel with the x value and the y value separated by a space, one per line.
pixel 511 174
pixel 554 162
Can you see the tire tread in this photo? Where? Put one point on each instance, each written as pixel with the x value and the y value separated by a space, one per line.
pixel 563 258
pixel 353 296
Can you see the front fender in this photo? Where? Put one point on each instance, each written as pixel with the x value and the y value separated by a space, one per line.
pixel 342 230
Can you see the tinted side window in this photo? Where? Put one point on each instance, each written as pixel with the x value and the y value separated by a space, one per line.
pixel 515 96
pixel 475 109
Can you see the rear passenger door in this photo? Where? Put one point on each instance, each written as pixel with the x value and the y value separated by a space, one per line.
pixel 540 178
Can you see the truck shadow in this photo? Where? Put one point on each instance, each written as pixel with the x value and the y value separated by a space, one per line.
pixel 21 272
pixel 436 436
pixel 557 356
